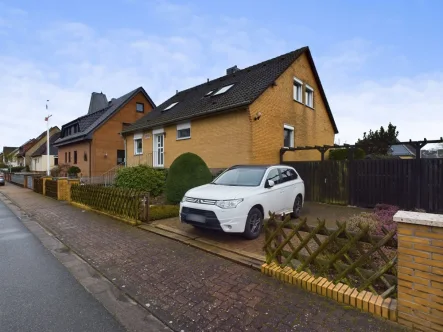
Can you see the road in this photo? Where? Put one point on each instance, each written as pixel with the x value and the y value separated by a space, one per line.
pixel 37 293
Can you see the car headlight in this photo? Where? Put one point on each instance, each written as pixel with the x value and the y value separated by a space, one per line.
pixel 184 198
pixel 229 204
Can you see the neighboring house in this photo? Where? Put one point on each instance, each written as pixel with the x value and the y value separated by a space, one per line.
pixel 27 149
pixel 40 156
pixel 93 142
pixel 244 117
pixel 9 156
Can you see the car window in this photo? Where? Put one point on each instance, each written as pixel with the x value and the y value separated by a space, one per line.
pixel 274 175
pixel 288 174
pixel 247 177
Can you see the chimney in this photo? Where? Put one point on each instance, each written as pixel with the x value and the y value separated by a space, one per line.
pixel 232 70
pixel 98 102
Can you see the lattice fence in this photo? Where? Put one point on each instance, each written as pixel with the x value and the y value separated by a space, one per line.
pixel 360 260
pixel 126 203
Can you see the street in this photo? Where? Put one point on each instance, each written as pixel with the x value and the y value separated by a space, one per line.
pixel 37 293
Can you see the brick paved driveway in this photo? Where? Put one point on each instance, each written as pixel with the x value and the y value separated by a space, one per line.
pixel 189 289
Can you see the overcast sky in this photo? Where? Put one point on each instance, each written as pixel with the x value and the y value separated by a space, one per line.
pixel 379 61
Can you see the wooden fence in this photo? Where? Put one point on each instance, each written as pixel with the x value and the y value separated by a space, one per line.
pixel 51 188
pixel 126 203
pixel 38 185
pixel 360 260
pixel 409 183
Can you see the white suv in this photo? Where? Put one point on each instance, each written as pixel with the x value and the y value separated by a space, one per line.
pixel 239 198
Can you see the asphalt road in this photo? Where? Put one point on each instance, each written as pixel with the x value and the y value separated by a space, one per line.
pixel 37 293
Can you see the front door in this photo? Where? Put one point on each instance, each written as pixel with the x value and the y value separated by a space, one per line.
pixel 120 157
pixel 159 150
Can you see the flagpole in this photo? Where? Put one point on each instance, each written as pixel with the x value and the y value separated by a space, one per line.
pixel 48 172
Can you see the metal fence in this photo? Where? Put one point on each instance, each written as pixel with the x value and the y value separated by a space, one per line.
pixel 18 179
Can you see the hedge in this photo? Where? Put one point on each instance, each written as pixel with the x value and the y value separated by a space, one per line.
pixel 157 212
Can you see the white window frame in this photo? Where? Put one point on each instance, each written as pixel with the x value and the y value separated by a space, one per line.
pixel 170 106
pixel 223 89
pixel 181 126
pixel 291 128
pixel 137 137
pixel 298 90
pixel 309 96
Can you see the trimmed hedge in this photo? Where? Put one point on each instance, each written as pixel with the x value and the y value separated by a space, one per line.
pixel 186 172
pixel 157 212
pixel 141 177
pixel 342 154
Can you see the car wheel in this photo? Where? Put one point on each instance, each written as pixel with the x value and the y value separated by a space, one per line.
pixel 296 210
pixel 254 224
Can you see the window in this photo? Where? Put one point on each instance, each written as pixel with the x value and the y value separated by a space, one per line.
pixel 288 174
pixel 242 176
pixel 85 156
pixel 309 96
pixel 209 93
pixel 66 157
pixel 75 157
pixel 223 90
pixel 140 107
pixel 184 130
pixel 298 90
pixel 274 175
pixel 288 141
pixel 69 156
pixel 138 144
pixel 56 160
pixel 171 106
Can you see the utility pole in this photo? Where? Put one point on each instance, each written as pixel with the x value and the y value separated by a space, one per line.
pixel 48 172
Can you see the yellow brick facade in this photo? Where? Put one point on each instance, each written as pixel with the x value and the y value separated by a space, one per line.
pixel 221 141
pixel 278 107
pixel 235 137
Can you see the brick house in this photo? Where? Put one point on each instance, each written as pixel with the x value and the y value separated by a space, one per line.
pixel 93 142
pixel 243 117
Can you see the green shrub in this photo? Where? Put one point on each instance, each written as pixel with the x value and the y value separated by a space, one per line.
pixel 186 172
pixel 141 177
pixel 157 212
pixel 342 154
pixel 74 170
pixel 17 169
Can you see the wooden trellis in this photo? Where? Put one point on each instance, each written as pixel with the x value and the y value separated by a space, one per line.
pixel 51 188
pixel 126 203
pixel 336 254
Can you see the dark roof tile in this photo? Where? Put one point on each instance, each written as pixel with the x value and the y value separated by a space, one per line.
pixel 53 150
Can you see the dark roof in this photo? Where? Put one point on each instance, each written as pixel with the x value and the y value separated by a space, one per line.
pixel 402 149
pixel 30 143
pixel 88 123
pixel 249 84
pixel 8 149
pixel 53 150
pixel 98 102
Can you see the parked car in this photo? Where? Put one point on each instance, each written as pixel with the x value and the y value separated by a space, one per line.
pixel 2 179
pixel 239 198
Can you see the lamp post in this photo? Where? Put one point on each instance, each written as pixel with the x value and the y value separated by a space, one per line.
pixel 48 172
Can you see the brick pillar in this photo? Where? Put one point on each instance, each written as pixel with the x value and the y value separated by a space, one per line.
pixel 420 270
pixel 62 188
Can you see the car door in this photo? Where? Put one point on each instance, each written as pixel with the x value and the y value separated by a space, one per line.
pixel 288 188
pixel 273 195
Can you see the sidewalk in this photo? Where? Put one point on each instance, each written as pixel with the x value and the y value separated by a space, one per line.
pixel 188 289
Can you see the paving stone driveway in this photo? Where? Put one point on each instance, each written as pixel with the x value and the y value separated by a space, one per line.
pixel 189 289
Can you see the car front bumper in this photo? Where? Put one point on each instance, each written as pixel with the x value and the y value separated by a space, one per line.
pixel 213 217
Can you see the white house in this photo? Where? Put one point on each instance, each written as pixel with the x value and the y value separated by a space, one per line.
pixel 39 157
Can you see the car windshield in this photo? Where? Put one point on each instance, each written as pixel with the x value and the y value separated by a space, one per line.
pixel 244 176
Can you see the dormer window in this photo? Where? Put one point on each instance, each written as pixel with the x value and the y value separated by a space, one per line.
pixel 223 90
pixel 170 106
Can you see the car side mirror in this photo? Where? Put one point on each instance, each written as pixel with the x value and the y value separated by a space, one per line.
pixel 270 184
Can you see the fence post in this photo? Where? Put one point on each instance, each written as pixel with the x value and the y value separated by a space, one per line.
pixel 62 185
pixel 420 269
pixel 146 203
pixel 70 182
pixel 25 181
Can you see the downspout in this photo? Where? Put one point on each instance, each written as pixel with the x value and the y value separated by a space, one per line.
pixel 90 158
pixel 126 154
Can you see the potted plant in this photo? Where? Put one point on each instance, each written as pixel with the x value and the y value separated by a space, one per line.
pixel 73 171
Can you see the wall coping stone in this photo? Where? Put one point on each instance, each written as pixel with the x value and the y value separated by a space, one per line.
pixel 419 218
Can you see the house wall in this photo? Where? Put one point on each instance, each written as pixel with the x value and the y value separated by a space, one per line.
pixel 278 107
pixel 82 149
pixel 38 164
pixel 220 140
pixel 107 139
pixel 33 148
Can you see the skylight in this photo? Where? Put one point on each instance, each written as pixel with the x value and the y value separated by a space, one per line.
pixel 209 93
pixel 170 106
pixel 223 90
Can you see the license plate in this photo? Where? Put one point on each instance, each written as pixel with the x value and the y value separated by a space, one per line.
pixel 196 218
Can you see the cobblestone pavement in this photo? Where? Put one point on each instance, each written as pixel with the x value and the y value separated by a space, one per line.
pixel 189 289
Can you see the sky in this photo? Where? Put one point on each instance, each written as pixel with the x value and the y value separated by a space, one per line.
pixel 379 61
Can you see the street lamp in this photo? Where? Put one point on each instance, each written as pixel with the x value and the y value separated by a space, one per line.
pixel 48 172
